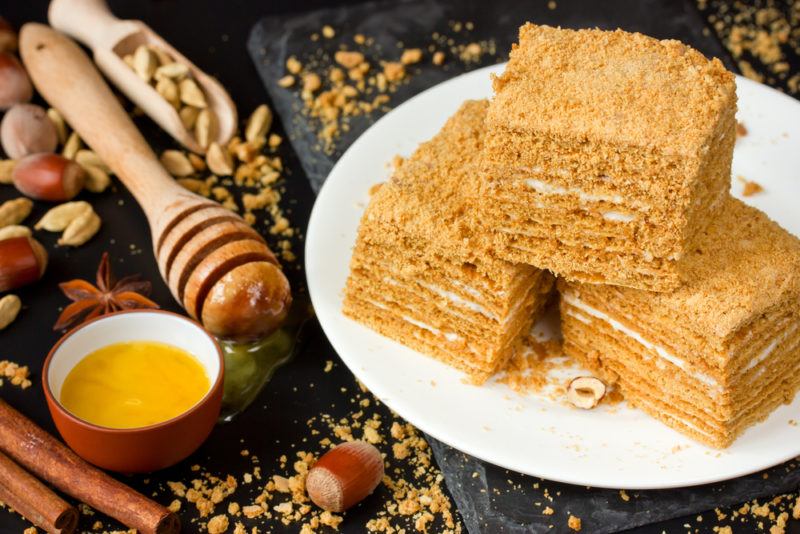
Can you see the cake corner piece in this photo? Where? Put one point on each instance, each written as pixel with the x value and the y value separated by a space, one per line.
pixel 421 272
pixel 717 355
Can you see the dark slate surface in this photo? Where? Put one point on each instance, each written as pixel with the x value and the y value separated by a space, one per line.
pixel 489 498
pixel 498 500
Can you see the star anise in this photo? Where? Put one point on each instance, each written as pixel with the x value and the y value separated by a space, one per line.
pixel 108 296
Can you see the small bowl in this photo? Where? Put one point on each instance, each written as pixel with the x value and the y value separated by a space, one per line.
pixel 143 449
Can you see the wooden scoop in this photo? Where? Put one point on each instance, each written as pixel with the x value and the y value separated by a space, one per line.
pixel 91 23
pixel 218 267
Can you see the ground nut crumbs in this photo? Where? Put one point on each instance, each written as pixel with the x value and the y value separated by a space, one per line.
pixel 759 33
pixel 411 497
pixel 17 374
pixel 352 77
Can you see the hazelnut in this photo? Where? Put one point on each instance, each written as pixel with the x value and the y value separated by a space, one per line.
pixel 26 129
pixel 15 86
pixel 585 392
pixel 23 260
pixel 345 475
pixel 48 177
pixel 8 37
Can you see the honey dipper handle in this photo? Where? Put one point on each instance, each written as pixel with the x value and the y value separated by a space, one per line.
pixel 67 79
pixel 89 21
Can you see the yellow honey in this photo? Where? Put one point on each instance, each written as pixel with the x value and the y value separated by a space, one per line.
pixel 134 384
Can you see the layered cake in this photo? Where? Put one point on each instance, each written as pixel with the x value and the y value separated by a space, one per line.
pixel 606 154
pixel 421 273
pixel 713 357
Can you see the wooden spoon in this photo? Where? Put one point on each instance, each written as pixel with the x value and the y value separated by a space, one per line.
pixel 93 24
pixel 216 266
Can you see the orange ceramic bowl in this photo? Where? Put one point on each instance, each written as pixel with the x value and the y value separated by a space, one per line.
pixel 144 449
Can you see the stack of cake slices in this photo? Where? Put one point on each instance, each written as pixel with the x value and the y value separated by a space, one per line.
pixel 421 272
pixel 603 158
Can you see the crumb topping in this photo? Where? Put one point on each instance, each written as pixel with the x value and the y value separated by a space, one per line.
pixel 612 86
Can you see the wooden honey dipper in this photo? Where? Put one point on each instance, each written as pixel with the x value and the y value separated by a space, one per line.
pixel 217 267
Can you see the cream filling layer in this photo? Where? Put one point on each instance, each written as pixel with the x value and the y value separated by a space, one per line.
pixel 459 300
pixel 549 189
pixel 450 336
pixel 769 349
pixel 636 336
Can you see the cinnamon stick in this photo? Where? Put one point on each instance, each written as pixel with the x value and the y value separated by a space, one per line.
pixel 33 500
pixel 52 461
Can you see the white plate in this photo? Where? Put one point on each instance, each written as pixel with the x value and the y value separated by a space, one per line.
pixel 617 447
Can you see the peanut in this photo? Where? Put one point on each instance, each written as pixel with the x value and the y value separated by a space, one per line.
pixel 172 71
pixel 259 123
pixel 205 129
pixel 10 305
pixel 145 63
pixel 15 211
pixel 81 229
pixel 97 180
pixel 59 123
pixel 86 157
pixel 176 163
pixel 72 146
pixel 191 94
pixel 188 116
pixel 219 160
pixel 58 218
pixel 6 168
pixel 169 92
pixel 15 230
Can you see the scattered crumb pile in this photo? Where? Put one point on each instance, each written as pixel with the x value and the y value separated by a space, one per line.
pixel 529 370
pixel 766 33
pixel 17 374
pixel 245 175
pixel 412 495
pixel 354 77
pixel 770 516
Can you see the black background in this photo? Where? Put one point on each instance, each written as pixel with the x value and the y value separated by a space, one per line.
pixel 213 34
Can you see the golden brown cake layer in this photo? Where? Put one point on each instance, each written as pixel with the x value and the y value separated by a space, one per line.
pixel 422 272
pixel 606 154
pixel 713 357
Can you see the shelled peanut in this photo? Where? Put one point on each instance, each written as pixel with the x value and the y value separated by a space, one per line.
pixel 174 82
pixel 77 220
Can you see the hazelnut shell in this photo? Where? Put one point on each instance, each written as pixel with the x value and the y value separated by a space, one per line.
pixel 345 475
pixel 15 86
pixel 48 177
pixel 26 129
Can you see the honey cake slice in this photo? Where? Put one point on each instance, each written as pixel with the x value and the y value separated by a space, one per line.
pixel 715 356
pixel 422 275
pixel 606 154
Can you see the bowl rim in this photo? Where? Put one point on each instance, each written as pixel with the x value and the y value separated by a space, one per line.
pixel 92 426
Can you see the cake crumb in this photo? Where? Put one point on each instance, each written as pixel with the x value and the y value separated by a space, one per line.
pixel 18 375
pixel 574 523
pixel 218 524
pixel 548 511
pixel 750 187
pixel 741 130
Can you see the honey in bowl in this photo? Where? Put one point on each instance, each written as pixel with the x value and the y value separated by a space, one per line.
pixel 134 384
